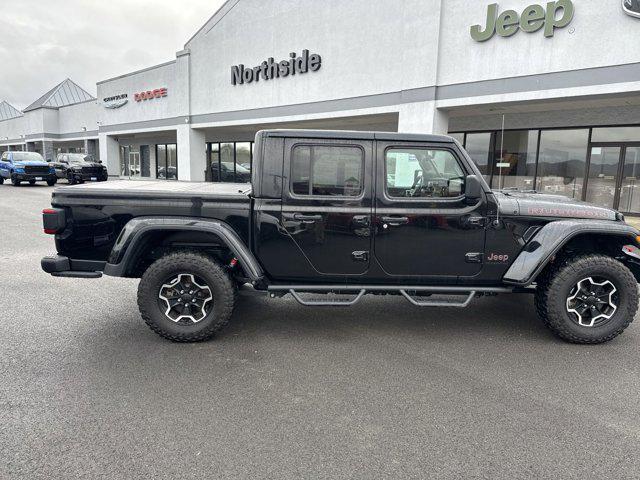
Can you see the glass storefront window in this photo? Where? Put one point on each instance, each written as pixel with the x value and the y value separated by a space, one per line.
pixel 167 162
pixel 603 176
pixel 458 136
pixel 478 146
pixel 630 190
pixel 616 134
pixel 230 162
pixel 214 162
pixel 518 150
pixel 562 162
pixel 172 162
pixel 243 162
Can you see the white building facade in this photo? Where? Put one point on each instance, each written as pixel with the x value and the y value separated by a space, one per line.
pixel 64 119
pixel 543 96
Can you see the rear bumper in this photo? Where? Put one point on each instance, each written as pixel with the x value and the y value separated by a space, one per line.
pixel 61 266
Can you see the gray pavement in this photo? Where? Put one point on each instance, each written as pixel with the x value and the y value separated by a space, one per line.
pixel 381 390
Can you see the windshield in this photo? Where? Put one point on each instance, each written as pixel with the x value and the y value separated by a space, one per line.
pixel 77 158
pixel 27 157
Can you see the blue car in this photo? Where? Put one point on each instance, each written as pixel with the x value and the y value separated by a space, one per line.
pixel 26 167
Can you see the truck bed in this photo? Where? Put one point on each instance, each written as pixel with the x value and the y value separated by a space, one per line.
pixel 96 213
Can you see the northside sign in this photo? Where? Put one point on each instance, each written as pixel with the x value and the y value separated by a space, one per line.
pixel 534 17
pixel 270 69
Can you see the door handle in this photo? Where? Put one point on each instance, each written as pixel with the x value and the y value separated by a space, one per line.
pixel 395 221
pixel 362 220
pixel 300 217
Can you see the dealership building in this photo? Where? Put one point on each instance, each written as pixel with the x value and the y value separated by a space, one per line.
pixel 543 97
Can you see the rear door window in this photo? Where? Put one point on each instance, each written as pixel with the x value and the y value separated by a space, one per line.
pixel 327 171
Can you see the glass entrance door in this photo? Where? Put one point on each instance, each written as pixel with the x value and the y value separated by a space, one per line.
pixel 602 182
pixel 630 186
pixel 134 164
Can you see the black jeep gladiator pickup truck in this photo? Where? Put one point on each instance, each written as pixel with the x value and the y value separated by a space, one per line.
pixel 349 214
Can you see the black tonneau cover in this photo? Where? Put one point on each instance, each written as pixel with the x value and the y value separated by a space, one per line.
pixel 153 190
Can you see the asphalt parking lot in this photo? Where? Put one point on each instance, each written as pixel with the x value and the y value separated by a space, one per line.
pixel 381 390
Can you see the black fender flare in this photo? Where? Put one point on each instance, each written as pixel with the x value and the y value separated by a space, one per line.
pixel 551 238
pixel 133 234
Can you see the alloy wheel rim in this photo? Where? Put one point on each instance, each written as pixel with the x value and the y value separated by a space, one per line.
pixel 592 302
pixel 185 299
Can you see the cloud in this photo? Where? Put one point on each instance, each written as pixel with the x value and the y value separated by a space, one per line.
pixel 44 42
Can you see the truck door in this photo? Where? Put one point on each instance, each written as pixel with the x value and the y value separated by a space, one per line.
pixel 424 225
pixel 327 204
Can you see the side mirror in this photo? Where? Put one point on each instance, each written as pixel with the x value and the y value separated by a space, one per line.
pixel 473 189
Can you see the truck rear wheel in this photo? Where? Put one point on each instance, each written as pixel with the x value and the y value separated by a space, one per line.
pixel 590 299
pixel 186 297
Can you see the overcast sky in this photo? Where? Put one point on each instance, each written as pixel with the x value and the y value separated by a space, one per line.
pixel 45 41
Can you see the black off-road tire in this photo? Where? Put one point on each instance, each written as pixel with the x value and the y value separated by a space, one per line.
pixel 52 182
pixel 71 180
pixel 555 285
pixel 200 265
pixel 1 180
pixel 15 182
pixel 32 182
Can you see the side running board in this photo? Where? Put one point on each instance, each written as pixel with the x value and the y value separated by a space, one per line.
pixel 328 303
pixel 429 303
pixel 360 290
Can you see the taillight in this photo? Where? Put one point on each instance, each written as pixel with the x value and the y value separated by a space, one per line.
pixel 53 220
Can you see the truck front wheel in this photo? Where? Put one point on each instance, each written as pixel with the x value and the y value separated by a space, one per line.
pixel 590 299
pixel 186 297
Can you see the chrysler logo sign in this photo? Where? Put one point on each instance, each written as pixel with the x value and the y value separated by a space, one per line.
pixel 631 7
pixel 116 101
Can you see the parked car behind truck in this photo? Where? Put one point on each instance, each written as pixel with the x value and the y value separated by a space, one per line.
pixel 350 213
pixel 28 167
pixel 79 168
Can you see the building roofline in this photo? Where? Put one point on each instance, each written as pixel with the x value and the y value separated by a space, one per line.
pixel 136 72
pixel 50 94
pixel 225 8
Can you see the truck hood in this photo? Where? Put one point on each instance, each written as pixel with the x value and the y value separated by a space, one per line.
pixel 30 164
pixel 87 164
pixel 544 205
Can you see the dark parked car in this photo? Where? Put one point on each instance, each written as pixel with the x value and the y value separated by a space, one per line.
pixel 223 172
pixel 79 168
pixel 349 213
pixel 25 167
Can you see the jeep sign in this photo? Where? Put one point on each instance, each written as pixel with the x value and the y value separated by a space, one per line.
pixel 631 7
pixel 534 17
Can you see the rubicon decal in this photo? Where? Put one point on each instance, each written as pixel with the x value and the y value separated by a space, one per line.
pixel 150 94
pixel 270 69
pixel 568 212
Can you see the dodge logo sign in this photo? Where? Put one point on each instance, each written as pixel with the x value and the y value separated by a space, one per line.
pixel 631 7
pixel 116 101
pixel 150 94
